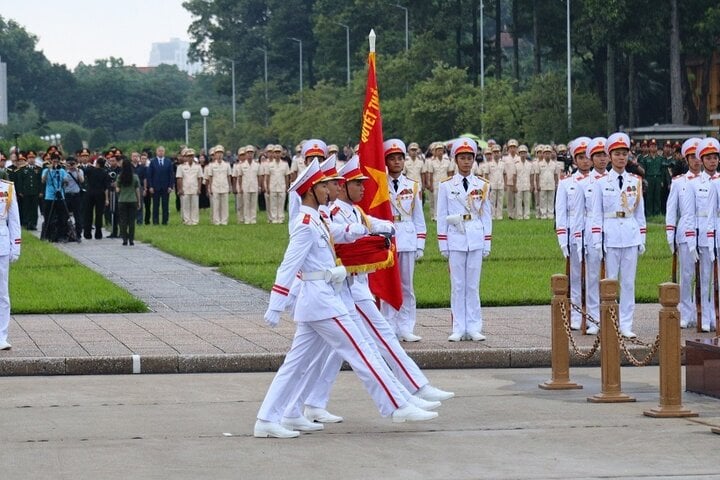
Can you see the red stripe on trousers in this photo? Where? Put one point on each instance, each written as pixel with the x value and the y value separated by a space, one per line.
pixel 397 360
pixel 372 370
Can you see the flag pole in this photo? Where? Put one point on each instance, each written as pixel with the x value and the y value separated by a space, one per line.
pixel 371 38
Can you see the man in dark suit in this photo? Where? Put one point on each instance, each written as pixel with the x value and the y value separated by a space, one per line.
pixel 160 180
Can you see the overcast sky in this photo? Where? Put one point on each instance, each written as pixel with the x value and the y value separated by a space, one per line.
pixel 71 31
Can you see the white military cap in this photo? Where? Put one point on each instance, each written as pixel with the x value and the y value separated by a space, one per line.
pixel 596 145
pixel 314 148
pixel 579 145
pixel 707 146
pixel 617 140
pixel 351 170
pixel 309 177
pixel 394 145
pixel 464 145
pixel 689 146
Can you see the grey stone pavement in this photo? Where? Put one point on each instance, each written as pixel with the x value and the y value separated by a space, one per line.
pixel 202 321
pixel 500 425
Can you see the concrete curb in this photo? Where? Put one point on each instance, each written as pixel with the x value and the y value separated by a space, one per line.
pixel 267 362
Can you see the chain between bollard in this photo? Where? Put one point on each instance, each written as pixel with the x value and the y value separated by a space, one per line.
pixel 622 341
pixel 568 331
pixel 585 315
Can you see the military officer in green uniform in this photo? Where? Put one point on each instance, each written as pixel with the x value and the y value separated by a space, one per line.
pixel 654 164
pixel 27 186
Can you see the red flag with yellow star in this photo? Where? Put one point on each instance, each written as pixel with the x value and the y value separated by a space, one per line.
pixel 384 284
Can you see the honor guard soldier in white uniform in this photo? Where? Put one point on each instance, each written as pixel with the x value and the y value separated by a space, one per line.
pixel 705 219
pixel 619 210
pixel 464 232
pixel 313 149
pixel 569 222
pixel 410 233
pixel 593 257
pixel 9 252
pixel 680 230
pixel 321 317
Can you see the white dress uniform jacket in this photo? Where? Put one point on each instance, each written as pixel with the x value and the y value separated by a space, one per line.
pixel 407 210
pixel 474 231
pixel 10 241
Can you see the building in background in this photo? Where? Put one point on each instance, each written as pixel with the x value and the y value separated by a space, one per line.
pixel 174 52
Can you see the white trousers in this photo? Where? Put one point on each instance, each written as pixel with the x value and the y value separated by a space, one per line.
pixel 593 259
pixel 687 294
pixel 522 204
pixel 250 207
pixel 621 263
pixel 4 297
pixel 220 208
pixel 433 201
pixel 346 339
pixel 276 210
pixel 465 269
pixel 239 210
pixel 575 288
pixel 190 209
pixel 403 320
pixel 547 203
pixel 497 197
pixel 707 303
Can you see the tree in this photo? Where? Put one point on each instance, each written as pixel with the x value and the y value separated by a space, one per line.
pixel 72 142
pixel 99 138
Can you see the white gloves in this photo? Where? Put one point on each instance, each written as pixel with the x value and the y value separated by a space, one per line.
pixel 579 251
pixel 419 254
pixel 694 255
pixel 444 253
pixel 565 252
pixel 357 230
pixel 272 317
pixel 598 246
pixel 14 257
pixel 336 275
pixel 672 247
pixel 641 249
pixel 383 227
pixel 486 253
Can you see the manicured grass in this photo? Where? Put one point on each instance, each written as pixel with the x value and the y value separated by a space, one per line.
pixel 45 280
pixel 524 256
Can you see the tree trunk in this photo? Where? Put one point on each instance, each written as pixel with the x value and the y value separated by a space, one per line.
pixel 516 47
pixel 676 103
pixel 498 39
pixel 632 92
pixel 705 90
pixel 611 116
pixel 536 39
pixel 690 107
pixel 476 46
pixel 458 36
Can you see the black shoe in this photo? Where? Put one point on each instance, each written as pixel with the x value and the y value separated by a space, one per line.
pixel 132 243
pixel 112 236
pixel 124 242
pixel 98 237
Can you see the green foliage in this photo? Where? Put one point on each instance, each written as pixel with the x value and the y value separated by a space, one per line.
pixel 98 138
pixel 45 280
pixel 71 142
pixel 165 125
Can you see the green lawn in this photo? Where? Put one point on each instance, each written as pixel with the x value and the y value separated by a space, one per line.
pixel 45 280
pixel 524 256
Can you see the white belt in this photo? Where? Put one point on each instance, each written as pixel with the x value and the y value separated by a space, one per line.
pixel 616 215
pixel 571 212
pixel 702 213
pixel 309 276
pixel 400 218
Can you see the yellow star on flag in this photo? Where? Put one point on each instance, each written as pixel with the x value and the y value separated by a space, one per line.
pixel 382 195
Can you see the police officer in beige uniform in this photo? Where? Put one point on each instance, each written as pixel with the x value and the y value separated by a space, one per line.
pixel 547 182
pixel 189 177
pixel 464 231
pixel 236 177
pixel 10 241
pixel 219 180
pixel 410 233
pixel 249 185
pixel 438 168
pixel 496 176
pixel 523 184
pixel 278 180
pixel 414 164
pixel 509 161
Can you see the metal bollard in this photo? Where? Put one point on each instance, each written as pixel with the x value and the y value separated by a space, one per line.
pixel 609 348
pixel 670 376
pixel 560 356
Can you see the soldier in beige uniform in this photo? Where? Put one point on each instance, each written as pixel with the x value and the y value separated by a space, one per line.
pixel 189 177
pixel 414 164
pixel 264 159
pixel 298 164
pixel 523 184
pixel 547 181
pixel 438 168
pixel 482 169
pixel 537 156
pixel 219 181
pixel 509 160
pixel 496 177
pixel 277 184
pixel 236 174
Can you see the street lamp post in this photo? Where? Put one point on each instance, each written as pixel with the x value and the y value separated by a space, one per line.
pixel 482 70
pixel 407 32
pixel 205 112
pixel 301 69
pixel 233 94
pixel 347 49
pixel 186 117
pixel 569 71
